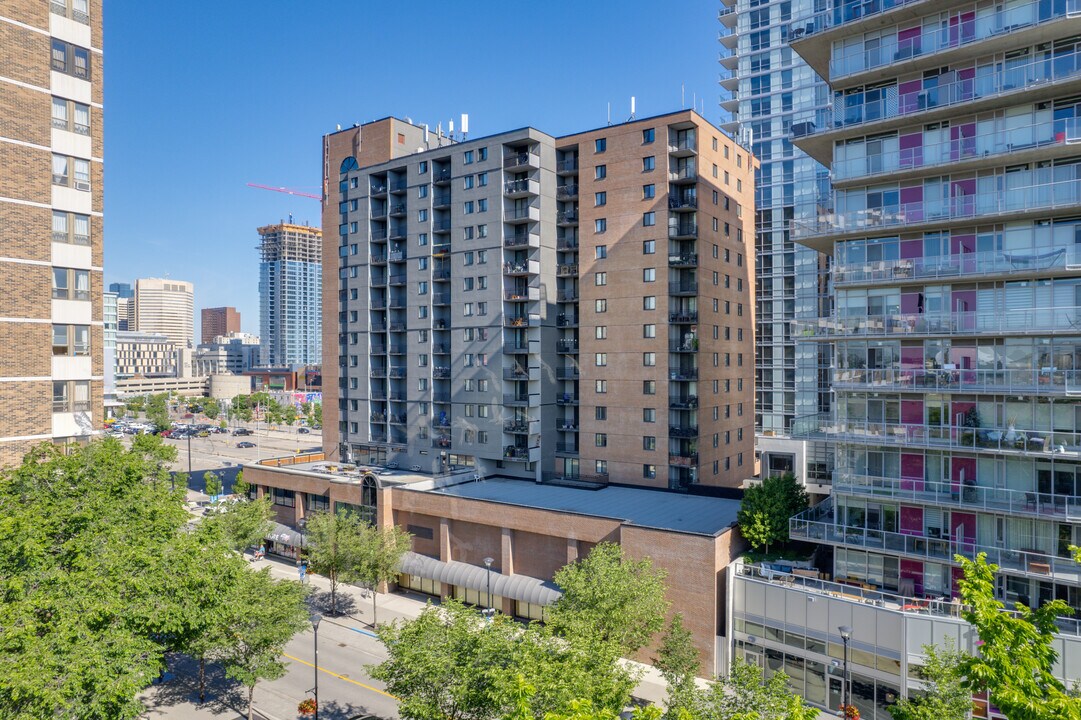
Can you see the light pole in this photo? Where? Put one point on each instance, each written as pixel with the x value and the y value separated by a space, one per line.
pixel 488 564
pixel 846 635
pixel 315 618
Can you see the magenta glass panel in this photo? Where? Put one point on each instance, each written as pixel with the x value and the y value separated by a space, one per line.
pixel 912 413
pixel 959 467
pixel 911 520
pixel 910 303
pixel 912 357
pixel 911 249
pixel 913 570
pixel 911 146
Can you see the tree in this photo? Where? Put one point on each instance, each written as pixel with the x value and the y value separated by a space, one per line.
pixel 744 695
pixel 679 663
pixel 211 408
pixel 241 486
pixel 381 557
pixel 766 508
pixel 264 615
pixel 609 597
pixel 244 524
pixel 336 548
pixel 946 697
pixel 1017 654
pixel 213 483
pixel 157 411
pixel 315 417
pixel 289 414
pixel 241 406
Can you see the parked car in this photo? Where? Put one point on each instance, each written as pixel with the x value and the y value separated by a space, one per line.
pixel 242 431
pixel 304 431
pixel 245 444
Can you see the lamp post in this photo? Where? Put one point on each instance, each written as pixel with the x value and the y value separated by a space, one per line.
pixel 488 564
pixel 315 618
pixel 846 635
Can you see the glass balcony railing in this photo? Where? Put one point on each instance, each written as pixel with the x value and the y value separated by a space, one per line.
pixel 1018 261
pixel 987 82
pixel 1000 321
pixel 1048 381
pixel 989 138
pixel 1003 194
pixel 971 495
pixel 841 13
pixel 986 22
pixel 1065 444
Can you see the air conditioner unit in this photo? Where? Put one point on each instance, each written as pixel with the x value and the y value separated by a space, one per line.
pixel 82 185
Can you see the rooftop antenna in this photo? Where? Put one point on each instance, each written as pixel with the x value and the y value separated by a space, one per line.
pixel 450 129
pixel 465 125
pixel 632 110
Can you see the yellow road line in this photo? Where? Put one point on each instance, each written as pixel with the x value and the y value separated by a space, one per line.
pixel 341 677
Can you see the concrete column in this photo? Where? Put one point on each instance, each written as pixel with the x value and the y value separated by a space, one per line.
pixel 298 508
pixel 572 550
pixel 444 539
pixel 506 558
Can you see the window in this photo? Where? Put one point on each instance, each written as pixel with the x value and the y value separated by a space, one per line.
pixel 482 257
pixel 468 157
pixel 468 207
pixel 71 116
pixel 649 219
pixel 649 275
pixel 467 309
pixel 649 247
pixel 649 443
pixel 649 359
pixel 71 228
pixel 649 191
pixel 71 396
pixel 600 172
pixel 600 225
pixel 422 312
pixel 422 287
pixel 467 258
pixel 600 359
pixel 71 172
pixel 649 415
pixel 648 136
pixel 649 163
pixel 602 252
pixel 422 360
pixel 599 199
pixel 69 284
pixel 649 302
pixel 600 145
pixel 422 168
pixel 649 387
pixel 601 467
pixel 482 205
pixel 482 308
pixel 649 331
pixel 649 472
pixel 482 154
pixel 482 231
pixel 601 332
pixel 600 306
pixel 422 263
pixel 422 239
pixel 77 10
pixel 467 232
pixel 71 340
pixel 600 278
pixel 482 179
pixel 70 59
pixel 600 439
pixel 600 413
pixel 600 386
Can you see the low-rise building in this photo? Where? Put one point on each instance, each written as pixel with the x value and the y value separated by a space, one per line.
pixel 145 354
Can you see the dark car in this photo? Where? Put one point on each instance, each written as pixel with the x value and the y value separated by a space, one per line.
pixel 303 431
pixel 245 444
pixel 241 431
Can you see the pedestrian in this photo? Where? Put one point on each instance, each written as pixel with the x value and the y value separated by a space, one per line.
pixel 302 568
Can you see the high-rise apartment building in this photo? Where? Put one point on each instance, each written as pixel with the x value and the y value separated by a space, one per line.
pixel 50 222
pixel 953 226
pixel 165 307
pixel 576 307
pixel 765 85
pixel 218 321
pixel 290 294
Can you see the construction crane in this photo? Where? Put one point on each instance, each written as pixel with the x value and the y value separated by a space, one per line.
pixel 287 191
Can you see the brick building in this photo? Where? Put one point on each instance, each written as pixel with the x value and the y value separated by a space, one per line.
pixel 50 222
pixel 218 321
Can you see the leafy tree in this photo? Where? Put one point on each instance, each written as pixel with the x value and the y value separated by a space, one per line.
pixel 1017 653
pixel 241 406
pixel 244 524
pixel 289 414
pixel 766 507
pixel 946 697
pixel 264 614
pixel 241 486
pixel 609 597
pixel 679 663
pixel 213 483
pixel 211 408
pixel 315 417
pixel 744 695
pixel 336 544
pixel 381 556
pixel 157 411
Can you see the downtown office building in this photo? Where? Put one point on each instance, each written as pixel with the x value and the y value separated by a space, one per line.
pixel 290 295
pixel 955 428
pixel 575 308
pixel 52 360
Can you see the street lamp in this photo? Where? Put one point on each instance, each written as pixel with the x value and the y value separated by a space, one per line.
pixel 846 635
pixel 315 617
pixel 488 564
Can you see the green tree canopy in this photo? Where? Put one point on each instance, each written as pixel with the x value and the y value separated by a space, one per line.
pixel 336 546
pixel 381 554
pixel 243 524
pixel 157 411
pixel 213 483
pixel 678 660
pixel 211 408
pixel 766 508
pixel 945 696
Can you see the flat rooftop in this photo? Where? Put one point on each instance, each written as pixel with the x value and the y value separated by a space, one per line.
pixel 697 514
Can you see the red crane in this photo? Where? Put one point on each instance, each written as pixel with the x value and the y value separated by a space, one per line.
pixel 287 191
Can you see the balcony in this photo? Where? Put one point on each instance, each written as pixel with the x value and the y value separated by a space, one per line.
pixel 1039 443
pixel 441 226
pixel 567 217
pixel 521 454
pixel 567 373
pixel 377 372
pixel 564 320
pixel 567 167
pixel 441 349
pixel 441 423
pixel 683 344
pixel 379 235
pixel 567 192
pixel 521 188
pixel 566 399
pixel 568 295
pixel 398 186
pixel 1040 261
pixel 684 204
pixel 567 346
pixel 682 402
pixel 567 244
pixel 1044 382
pixel 683 260
pixel 683 459
pixel 522 294
pixel 396 256
pixel 521 267
pixel 683 146
pixel 683 374
pixel 379 418
pixel 441 373
pixel 516 400
pixel 378 304
pixel 683 175
pixel 566 426
pixel 377 190
pixel 675 287
pixel 567 270
pixel 517 215
pixel 513 347
pixel 399 349
pixel 818 524
pixel 521 240
pixel 397 210
pixel 441 397
pixel 683 318
pixel 442 298
pixel 682 431
pixel 441 200
pixel 397 327
pixel 516 427
pixel 441 443
pixel 377 259
pixel 516 374
pixel 398 373
pixel 1020 321
pixel 441 177
pixel 567 448
pixel 522 160
pixel 682 231
pixel 968 495
pixel 399 279
pixel 379 212
pixel 397 419
pixel 441 274
pixel 440 249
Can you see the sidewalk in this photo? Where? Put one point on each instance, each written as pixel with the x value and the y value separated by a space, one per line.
pixel 356 604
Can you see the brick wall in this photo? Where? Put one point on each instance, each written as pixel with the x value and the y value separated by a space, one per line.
pixel 25 232
pixel 25 54
pixel 27 172
pixel 27 411
pixel 25 114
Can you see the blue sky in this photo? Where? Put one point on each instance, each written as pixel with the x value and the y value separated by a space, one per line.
pixel 203 97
